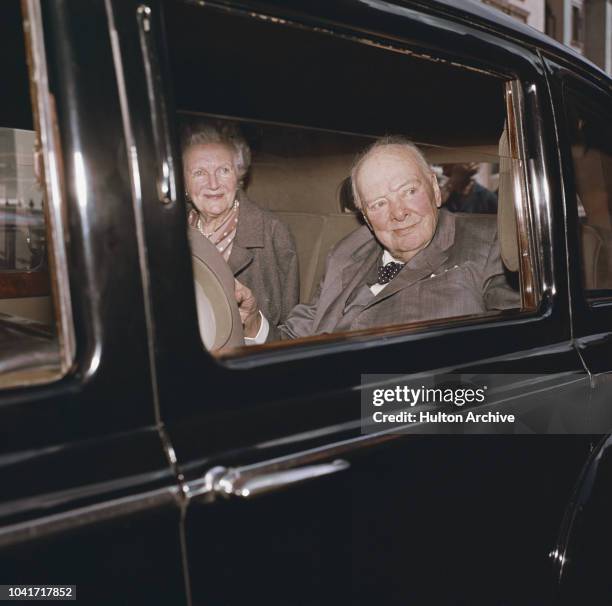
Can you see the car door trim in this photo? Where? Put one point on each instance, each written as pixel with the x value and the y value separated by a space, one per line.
pixel 46 117
pixel 91 514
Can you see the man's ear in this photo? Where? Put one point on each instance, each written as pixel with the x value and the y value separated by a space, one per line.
pixel 367 222
pixel 436 190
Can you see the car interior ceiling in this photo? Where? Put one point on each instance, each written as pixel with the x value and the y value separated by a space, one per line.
pixel 326 82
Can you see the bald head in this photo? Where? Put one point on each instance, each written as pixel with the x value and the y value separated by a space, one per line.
pixel 399 197
pixel 392 143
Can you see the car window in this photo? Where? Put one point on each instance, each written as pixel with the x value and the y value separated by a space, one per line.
pixel 305 115
pixel 32 335
pixel 590 129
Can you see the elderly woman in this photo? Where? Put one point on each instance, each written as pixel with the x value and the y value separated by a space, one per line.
pixel 256 245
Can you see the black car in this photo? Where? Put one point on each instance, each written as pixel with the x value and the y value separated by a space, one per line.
pixel 144 468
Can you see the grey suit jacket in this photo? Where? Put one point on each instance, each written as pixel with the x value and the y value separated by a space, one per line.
pixel 264 258
pixel 459 273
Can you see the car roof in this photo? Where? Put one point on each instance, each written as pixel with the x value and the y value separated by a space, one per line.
pixel 473 12
pixel 477 12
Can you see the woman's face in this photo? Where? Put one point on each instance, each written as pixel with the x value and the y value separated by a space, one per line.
pixel 211 178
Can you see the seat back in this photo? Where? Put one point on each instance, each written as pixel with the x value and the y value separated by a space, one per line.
pixel 306 229
pixel 336 227
pixel 595 261
pixel 315 235
pixel 506 213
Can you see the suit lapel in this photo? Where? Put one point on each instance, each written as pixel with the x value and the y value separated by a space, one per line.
pixel 360 269
pixel 343 282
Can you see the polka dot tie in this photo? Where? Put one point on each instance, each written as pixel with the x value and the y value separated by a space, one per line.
pixel 387 272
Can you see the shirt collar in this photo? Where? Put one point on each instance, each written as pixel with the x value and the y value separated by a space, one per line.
pixel 388 258
pixel 441 241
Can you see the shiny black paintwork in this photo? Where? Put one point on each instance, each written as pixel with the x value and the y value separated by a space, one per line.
pixel 419 519
pixel 582 553
pixel 92 437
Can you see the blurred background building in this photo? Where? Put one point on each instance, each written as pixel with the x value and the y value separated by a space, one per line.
pixel 585 25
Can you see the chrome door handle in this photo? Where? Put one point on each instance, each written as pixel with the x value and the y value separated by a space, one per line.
pixel 246 484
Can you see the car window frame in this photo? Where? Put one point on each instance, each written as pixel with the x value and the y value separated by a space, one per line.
pixel 593 300
pixel 528 240
pixel 524 66
pixel 591 315
pixel 49 155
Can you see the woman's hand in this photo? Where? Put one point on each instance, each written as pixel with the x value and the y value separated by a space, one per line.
pixel 248 308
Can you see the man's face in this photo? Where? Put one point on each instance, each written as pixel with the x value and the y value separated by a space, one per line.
pixel 399 201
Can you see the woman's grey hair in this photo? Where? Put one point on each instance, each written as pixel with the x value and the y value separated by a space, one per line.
pixel 395 140
pixel 225 133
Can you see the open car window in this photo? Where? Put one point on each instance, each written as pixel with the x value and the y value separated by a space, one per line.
pixel 590 128
pixel 306 114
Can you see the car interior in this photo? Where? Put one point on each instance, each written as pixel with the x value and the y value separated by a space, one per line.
pixel 302 176
pixel 307 112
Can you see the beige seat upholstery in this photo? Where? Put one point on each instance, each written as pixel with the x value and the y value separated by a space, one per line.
pixel 591 243
pixel 336 227
pixel 506 214
pixel 315 235
pixel 306 229
pixel 596 245
pixel 304 191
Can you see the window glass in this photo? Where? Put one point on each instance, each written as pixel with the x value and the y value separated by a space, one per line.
pixel 285 216
pixel 22 237
pixel 590 129
pixel 29 348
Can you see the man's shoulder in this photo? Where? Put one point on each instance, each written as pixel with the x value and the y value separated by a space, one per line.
pixel 471 227
pixel 358 242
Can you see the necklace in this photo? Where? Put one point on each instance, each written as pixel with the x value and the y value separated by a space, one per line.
pixel 223 235
pixel 209 235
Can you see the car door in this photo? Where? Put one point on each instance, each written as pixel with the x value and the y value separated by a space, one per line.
pixel 583 110
pixel 288 502
pixel 89 498
pixel 584 118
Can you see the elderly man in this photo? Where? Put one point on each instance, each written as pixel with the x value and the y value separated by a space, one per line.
pixel 411 262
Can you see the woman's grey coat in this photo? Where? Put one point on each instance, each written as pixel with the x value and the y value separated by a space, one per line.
pixel 264 258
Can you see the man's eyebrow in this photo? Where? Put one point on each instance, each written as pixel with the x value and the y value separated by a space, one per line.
pixel 412 179
pixel 409 181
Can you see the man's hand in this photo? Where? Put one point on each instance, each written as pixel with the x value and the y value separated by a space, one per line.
pixel 249 311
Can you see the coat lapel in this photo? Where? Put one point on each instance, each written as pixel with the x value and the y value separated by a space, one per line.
pixel 361 267
pixel 249 234
pixel 342 280
pixel 239 258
